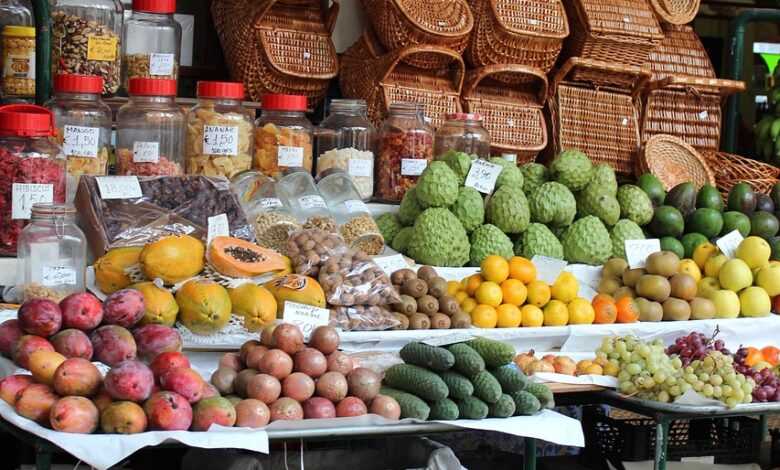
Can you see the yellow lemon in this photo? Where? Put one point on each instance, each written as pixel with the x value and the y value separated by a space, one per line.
pixel 565 287
pixel 556 313
pixel 484 316
pixel 509 316
pixel 461 296
pixel 532 316
pixel 453 287
pixel 538 293
pixel 522 269
pixel 489 293
pixel 702 253
pixel 689 266
pixel 472 283
pixel 494 268
pixel 468 305
pixel 581 312
pixel 754 251
pixel 514 292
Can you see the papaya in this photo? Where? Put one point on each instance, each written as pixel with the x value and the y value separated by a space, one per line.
pixel 296 288
pixel 173 259
pixel 160 307
pixel 255 304
pixel 239 258
pixel 204 306
pixel 110 268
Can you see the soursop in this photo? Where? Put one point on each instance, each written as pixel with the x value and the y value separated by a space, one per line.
pixel 409 208
pixel 539 240
pixel 587 241
pixel 553 204
pixel 624 230
pixel 401 241
pixel 459 163
pixel 595 200
pixel 635 204
pixel 572 169
pixel 489 240
pixel 508 210
pixel 439 239
pixel 510 175
pixel 389 226
pixel 437 186
pixel 469 208
pixel 604 178
pixel 534 175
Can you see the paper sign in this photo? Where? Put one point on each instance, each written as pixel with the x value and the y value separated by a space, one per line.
pixel 413 166
pixel 483 175
pixel 101 48
pixel 360 167
pixel 510 157
pixel 218 227
pixel 391 264
pixel 52 276
pixel 446 340
pixel 289 156
pixel 270 202
pixel 306 317
pixel 729 243
pixel 355 205
pixel 119 187
pixel 220 140
pixel 637 251
pixel 79 141
pixel 312 201
pixel 548 269
pixel 586 275
pixel 24 195
pixel 146 152
pixel 161 64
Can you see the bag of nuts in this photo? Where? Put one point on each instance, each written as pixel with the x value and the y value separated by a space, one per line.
pixel 363 318
pixel 352 278
pixel 308 249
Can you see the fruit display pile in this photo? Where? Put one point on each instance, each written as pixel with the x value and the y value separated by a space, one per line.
pixel 561 364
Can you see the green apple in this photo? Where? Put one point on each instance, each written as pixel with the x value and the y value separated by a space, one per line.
pixel 726 303
pixel 755 302
pixel 735 275
pixel 769 278
pixel 707 286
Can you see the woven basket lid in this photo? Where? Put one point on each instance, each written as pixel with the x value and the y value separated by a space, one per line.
pixel 676 11
pixel 545 18
pixel 632 18
pixel 680 53
pixel 451 18
pixel 673 162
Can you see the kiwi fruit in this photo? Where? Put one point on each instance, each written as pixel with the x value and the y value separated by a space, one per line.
pixel 437 286
pixel 414 287
pixel 702 309
pixel 615 267
pixel 630 276
pixel 649 311
pixel 403 321
pixel 426 273
pixel 663 263
pixel 683 286
pixel 653 287
pixel 401 276
pixel 608 285
pixel 407 305
pixel 676 310
pixel 448 305
pixel 440 321
pixel 427 304
pixel 461 320
pixel 419 321
pixel 624 291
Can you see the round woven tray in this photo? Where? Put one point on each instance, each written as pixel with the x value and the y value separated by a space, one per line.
pixel 730 169
pixel 674 162
pixel 676 11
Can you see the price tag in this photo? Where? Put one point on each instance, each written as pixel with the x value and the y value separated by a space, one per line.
pixel 161 64
pixel 119 187
pixel 220 140
pixel 483 175
pixel 637 251
pixel 289 156
pixel 704 115
pixel 585 274
pixel 355 205
pixel 391 264
pixel 624 122
pixel 413 166
pixel 101 48
pixel 548 269
pixel 446 340
pixel 306 317
pixel 146 152
pixel 270 202
pixel 79 141
pixel 510 157
pixel 24 195
pixel 729 243
pixel 360 167
pixel 218 227
pixel 52 276
pixel 312 201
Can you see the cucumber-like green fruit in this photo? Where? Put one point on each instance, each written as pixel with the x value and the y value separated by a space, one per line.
pixel 511 378
pixel 444 409
pixel 495 353
pixel 460 387
pixel 425 355
pixel 486 387
pixel 525 403
pixel 467 361
pixel 503 408
pixel 472 408
pixel 411 406
pixel 416 380
pixel 542 393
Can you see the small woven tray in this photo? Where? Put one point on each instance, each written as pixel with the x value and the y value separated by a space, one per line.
pixel 676 11
pixel 730 169
pixel 674 162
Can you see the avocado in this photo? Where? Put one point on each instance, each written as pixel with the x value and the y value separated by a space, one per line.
pixel 682 197
pixel 653 187
pixel 742 199
pixel 709 197
pixel 765 203
pixel 672 244
pixel 775 194
pixel 689 242
pixel 774 242
pixel 763 224
pixel 734 220
pixel 706 221
pixel 667 221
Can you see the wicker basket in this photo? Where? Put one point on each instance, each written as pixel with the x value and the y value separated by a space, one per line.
pixel 676 11
pixel 276 47
pixel 674 162
pixel 512 114
pixel 731 169
pixel 603 122
pixel 680 53
pixel 523 32
pixel 402 23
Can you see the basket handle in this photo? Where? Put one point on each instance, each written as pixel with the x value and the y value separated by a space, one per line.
pixel 331 16
pixel 717 85
pixel 642 75
pixel 475 77
pixel 399 55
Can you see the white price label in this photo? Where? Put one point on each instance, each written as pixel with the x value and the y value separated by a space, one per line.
pixel 483 175
pixel 119 187
pixel 306 317
pixel 729 243
pixel 413 166
pixel 360 167
pixel 79 141
pixel 220 140
pixel 637 251
pixel 270 202
pixel 510 157
pixel 146 152
pixel 312 201
pixel 52 276
pixel 704 115
pixel 446 340
pixel 289 156
pixel 355 205
pixel 585 274
pixel 161 64
pixel 24 195
pixel 391 264
pixel 218 227
pixel 548 269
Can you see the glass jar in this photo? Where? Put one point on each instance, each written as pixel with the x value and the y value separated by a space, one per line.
pixel 345 140
pixel 151 41
pixel 283 138
pixel 52 255
pixel 17 62
pixel 150 130
pixel 85 40
pixel 83 126
pixel 405 148
pixel 220 131
pixel 462 132
pixel 32 168
pixel 356 225
pixel 13 13
pixel 297 189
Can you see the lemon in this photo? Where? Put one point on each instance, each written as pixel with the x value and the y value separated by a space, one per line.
pixel 461 296
pixel 489 293
pixel 581 312
pixel 468 305
pixel 754 302
pixel 532 316
pixel 754 251
pixel 703 252
pixel 494 268
pixel 484 316
pixel 565 287
pixel 769 279
pixel 453 287
pixel 538 293
pixel 556 313
pixel 735 275
pixel 689 266
pixel 714 264
pixel 707 286
pixel 508 316
pixel 514 292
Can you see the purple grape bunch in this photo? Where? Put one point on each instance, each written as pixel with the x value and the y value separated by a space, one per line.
pixel 767 382
pixel 696 346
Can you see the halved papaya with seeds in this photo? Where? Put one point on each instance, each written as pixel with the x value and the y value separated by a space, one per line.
pixel 239 258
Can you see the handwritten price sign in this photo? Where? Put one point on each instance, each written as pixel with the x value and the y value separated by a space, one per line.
pixel 79 141
pixel 306 317
pixel 119 187
pixel 220 140
pixel 483 175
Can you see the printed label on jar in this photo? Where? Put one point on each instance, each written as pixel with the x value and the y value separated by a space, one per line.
pixel 101 48
pixel 161 64
pixel 119 187
pixel 20 66
pixel 146 152
pixel 289 156
pixel 52 276
pixel 413 166
pixel 24 195
pixel 312 201
pixel 355 205
pixel 220 140
pixel 79 141
pixel 270 202
pixel 364 168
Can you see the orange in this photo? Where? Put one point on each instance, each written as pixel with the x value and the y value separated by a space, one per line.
pixel 494 268
pixel 522 269
pixel 556 313
pixel 771 354
pixel 538 293
pixel 514 292
pixel 627 310
pixel 468 305
pixel 532 316
pixel 581 312
pixel 509 316
pixel 453 287
pixel 461 296
pixel 489 293
pixel 753 357
pixel 472 282
pixel 484 316
pixel 606 310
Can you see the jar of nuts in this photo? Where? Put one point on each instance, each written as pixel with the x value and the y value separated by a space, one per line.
pixel 283 138
pixel 152 41
pixel 18 62
pixel 404 149
pixel 297 188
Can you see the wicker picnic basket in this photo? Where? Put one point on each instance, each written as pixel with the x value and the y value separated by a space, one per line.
pixel 674 162
pixel 603 122
pixel 676 11
pixel 680 53
pixel 278 47
pixel 512 114
pixel 524 32
pixel 402 23
pixel 730 169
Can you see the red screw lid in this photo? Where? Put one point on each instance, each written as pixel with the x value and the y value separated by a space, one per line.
pixel 66 83
pixel 152 87
pixel 284 102
pixel 155 6
pixel 227 90
pixel 26 120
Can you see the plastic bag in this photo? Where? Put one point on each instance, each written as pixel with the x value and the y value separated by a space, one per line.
pixel 363 318
pixel 378 361
pixel 352 278
pixel 308 249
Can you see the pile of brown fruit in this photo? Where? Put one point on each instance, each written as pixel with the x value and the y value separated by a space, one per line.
pixel 425 303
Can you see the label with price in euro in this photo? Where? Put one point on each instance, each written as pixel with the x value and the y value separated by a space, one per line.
pixel 306 317
pixel 146 152
pixel 161 64
pixel 483 175
pixel 119 187
pixel 24 195
pixel 220 140
pixel 80 141
pixel 637 251
pixel 52 276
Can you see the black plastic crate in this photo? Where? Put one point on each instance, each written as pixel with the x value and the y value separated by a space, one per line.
pixel 774 457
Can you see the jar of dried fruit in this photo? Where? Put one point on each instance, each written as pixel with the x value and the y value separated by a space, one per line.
pixel 85 39
pixel 404 149
pixel 32 168
pixel 151 41
pixel 52 254
pixel 150 130
pixel 298 190
pixel 220 131
pixel 83 123
pixel 18 62
pixel 462 132
pixel 283 138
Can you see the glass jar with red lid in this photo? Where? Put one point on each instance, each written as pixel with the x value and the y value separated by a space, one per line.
pixel 462 132
pixel 150 130
pixel 284 135
pixel 151 41
pixel 32 168
pixel 220 131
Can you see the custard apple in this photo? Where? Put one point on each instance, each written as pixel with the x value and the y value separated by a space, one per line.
pixel 489 240
pixel 401 240
pixel 635 204
pixel 553 204
pixel 459 163
pixel 438 239
pixel 409 208
pixel 508 210
pixel 510 175
pixel 469 208
pixel 624 230
pixel 389 226
pixel 539 240
pixel 534 175
pixel 587 241
pixel 594 200
pixel 604 178
pixel 437 186
pixel 572 169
